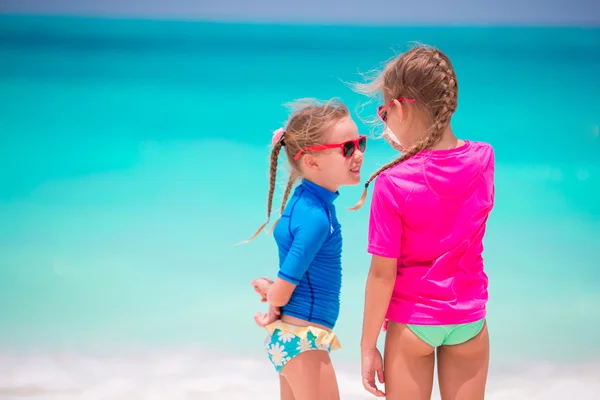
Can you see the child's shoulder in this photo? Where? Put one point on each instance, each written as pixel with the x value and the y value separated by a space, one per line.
pixel 400 175
pixel 392 181
pixel 306 208
pixel 482 146
pixel 309 215
pixel 485 153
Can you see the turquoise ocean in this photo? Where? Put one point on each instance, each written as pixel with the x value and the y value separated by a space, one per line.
pixel 134 155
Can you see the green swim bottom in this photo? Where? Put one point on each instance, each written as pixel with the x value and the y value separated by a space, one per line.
pixel 447 335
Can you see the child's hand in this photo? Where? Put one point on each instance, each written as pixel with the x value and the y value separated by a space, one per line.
pixel 264 319
pixel 371 366
pixel 261 286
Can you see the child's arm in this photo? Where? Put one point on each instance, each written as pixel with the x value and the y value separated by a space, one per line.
pixel 380 284
pixel 310 232
pixel 261 286
pixel 385 234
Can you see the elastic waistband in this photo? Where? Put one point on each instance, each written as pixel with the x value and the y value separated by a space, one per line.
pixel 302 332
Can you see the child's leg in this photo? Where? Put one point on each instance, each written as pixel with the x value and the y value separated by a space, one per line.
pixel 311 376
pixel 463 368
pixel 408 365
pixel 285 389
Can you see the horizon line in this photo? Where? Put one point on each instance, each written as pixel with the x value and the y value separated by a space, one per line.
pixel 297 22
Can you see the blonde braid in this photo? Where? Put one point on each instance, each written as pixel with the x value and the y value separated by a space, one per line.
pixel 447 79
pixel 286 195
pixel 288 190
pixel 272 178
pixel 414 150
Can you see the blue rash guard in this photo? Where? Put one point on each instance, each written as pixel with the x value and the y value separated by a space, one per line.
pixel 309 239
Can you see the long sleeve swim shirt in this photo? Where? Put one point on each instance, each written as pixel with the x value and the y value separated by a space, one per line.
pixel 310 254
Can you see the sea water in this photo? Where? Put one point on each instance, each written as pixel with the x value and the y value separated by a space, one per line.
pixel 134 155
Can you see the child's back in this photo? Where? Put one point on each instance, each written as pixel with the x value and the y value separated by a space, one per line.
pixel 444 198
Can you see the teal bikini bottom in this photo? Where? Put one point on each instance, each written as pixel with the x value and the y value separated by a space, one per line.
pixel 447 335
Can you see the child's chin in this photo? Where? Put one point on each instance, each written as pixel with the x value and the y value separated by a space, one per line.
pixel 354 180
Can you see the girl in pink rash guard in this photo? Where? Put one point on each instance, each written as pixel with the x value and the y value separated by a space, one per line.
pixel 427 222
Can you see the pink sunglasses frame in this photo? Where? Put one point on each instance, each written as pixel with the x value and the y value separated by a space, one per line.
pixel 320 147
pixel 381 109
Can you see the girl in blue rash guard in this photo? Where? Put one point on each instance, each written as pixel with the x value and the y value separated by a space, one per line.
pixel 325 152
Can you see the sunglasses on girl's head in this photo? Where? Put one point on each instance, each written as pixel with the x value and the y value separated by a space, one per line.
pixel 348 147
pixel 382 110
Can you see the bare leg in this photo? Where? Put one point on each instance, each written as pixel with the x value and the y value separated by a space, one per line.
pixel 463 368
pixel 311 376
pixel 408 365
pixel 285 389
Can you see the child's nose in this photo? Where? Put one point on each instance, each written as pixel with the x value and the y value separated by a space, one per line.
pixel 358 155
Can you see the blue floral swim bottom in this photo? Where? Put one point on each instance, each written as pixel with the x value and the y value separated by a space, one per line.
pixel 285 341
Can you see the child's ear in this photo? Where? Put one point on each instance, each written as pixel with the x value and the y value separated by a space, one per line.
pixel 400 109
pixel 310 162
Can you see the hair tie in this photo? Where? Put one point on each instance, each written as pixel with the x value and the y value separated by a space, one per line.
pixel 278 136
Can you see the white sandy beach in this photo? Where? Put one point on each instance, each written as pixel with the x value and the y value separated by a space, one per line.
pixel 196 375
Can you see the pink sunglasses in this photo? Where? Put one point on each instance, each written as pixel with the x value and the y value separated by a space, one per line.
pixel 382 110
pixel 348 147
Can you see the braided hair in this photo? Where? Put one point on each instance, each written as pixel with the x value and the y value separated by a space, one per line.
pixel 426 75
